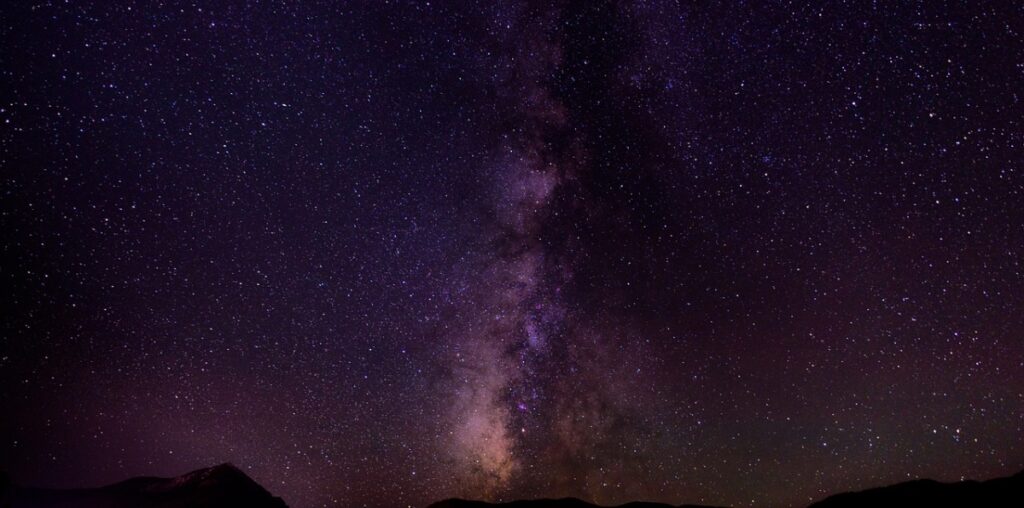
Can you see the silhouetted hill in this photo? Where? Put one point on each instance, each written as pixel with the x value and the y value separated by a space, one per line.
pixel 1000 492
pixel 214 487
pixel 569 502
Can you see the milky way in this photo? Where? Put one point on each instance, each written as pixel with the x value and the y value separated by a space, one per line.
pixel 384 253
pixel 534 388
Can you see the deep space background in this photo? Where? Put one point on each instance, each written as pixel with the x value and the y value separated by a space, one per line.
pixel 381 253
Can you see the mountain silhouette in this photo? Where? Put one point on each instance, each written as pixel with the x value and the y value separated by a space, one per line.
pixel 1000 492
pixel 227 486
pixel 219 486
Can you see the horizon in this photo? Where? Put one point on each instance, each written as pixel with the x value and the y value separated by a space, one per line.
pixel 177 479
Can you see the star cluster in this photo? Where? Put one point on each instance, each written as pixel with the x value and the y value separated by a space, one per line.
pixel 384 253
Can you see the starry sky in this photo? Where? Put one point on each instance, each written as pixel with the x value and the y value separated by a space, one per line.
pixel 380 253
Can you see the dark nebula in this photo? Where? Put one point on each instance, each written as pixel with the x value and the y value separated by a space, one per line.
pixel 384 253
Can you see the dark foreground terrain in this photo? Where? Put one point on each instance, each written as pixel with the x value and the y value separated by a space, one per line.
pixel 226 486
pixel 1000 492
pixel 218 486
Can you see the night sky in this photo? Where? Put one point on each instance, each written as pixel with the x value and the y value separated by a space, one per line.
pixel 384 253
